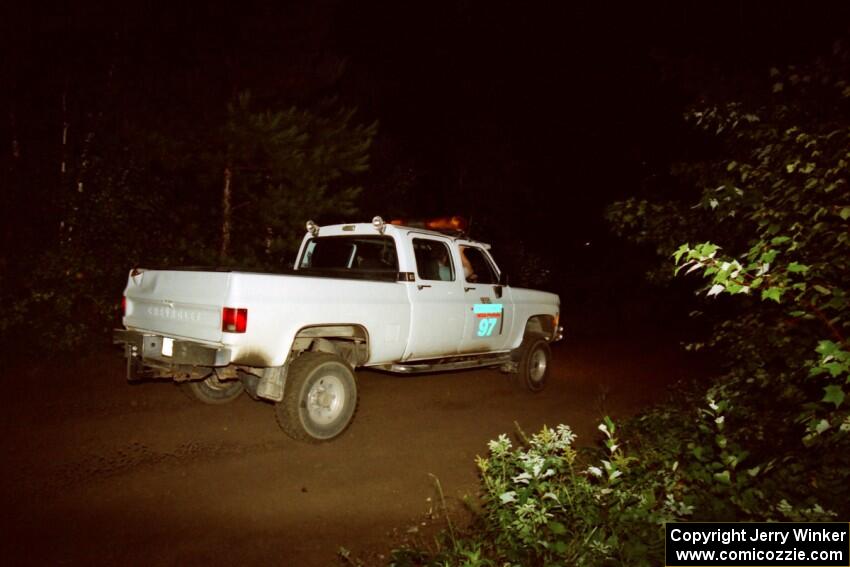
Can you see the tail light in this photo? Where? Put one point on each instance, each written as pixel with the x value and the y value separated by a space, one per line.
pixel 234 320
pixel 123 305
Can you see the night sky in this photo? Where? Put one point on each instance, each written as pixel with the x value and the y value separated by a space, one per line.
pixel 514 114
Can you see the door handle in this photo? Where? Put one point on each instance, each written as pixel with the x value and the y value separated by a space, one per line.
pixel 468 289
pixel 420 286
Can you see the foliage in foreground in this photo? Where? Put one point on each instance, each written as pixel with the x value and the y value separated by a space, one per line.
pixel 545 503
pixel 769 210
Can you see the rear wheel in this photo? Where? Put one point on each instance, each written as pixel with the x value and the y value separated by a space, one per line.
pixel 533 367
pixel 319 398
pixel 211 390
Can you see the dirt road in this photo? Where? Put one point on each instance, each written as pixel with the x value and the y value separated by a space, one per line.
pixel 101 472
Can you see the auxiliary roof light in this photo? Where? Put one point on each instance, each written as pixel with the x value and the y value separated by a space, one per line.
pixel 312 228
pixel 447 223
pixel 379 224
pixel 454 223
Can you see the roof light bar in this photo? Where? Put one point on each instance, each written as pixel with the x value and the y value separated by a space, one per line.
pixel 439 223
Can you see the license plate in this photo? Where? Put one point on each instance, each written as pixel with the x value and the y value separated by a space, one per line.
pixel 167 346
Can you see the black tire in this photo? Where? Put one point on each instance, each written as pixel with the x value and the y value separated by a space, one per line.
pixel 250 383
pixel 319 398
pixel 211 390
pixel 535 357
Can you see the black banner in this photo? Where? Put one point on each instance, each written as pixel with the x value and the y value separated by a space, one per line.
pixel 762 544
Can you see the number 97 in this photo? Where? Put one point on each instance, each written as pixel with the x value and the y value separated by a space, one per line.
pixel 486 326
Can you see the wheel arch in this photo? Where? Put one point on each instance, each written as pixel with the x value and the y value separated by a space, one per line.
pixel 542 324
pixel 350 341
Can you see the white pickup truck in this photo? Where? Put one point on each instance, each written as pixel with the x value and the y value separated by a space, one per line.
pixel 394 298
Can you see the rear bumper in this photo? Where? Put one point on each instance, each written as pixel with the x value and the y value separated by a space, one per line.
pixel 146 350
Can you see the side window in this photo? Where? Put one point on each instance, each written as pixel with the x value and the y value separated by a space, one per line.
pixel 433 261
pixel 476 266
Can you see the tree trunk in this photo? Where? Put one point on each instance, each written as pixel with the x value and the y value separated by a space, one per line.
pixel 226 218
pixel 63 168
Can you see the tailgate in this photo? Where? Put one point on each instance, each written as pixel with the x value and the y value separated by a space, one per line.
pixel 177 303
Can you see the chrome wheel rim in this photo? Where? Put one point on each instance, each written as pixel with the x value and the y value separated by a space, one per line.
pixel 537 365
pixel 326 399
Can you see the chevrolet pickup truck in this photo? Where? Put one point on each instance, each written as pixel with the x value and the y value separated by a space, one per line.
pixel 395 298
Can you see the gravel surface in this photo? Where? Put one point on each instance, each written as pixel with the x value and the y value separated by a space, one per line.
pixel 98 471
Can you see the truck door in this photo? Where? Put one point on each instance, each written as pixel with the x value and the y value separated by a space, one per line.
pixel 489 308
pixel 437 300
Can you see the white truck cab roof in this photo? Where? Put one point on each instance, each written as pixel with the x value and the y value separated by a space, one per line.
pixel 389 229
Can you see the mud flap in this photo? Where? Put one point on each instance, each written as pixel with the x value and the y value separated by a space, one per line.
pixel 272 382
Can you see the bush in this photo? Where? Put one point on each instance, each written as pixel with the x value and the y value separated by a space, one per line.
pixel 546 503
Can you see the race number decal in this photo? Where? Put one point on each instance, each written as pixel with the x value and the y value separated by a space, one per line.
pixel 489 319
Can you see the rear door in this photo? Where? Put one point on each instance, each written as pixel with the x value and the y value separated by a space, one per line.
pixel 436 299
pixel 182 304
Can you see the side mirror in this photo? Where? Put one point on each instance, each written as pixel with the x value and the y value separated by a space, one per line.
pixel 504 279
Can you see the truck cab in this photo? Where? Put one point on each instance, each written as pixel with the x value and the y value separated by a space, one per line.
pixel 459 303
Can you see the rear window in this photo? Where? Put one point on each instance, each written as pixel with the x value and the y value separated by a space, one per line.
pixel 350 254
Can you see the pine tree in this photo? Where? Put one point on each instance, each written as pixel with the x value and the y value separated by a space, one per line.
pixel 283 167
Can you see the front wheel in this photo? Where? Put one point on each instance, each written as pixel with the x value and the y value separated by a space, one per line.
pixel 211 390
pixel 533 368
pixel 319 399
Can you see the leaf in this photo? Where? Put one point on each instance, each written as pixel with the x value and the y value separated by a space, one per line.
pixel 773 293
pixel 836 369
pixel 715 289
pixel 696 266
pixel 797 268
pixel 827 348
pixel 845 213
pixel 822 289
pixel 722 477
pixel 677 255
pixel 557 528
pixel 777 240
pixel 506 497
pixel 822 426
pixel 560 548
pixel 833 395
